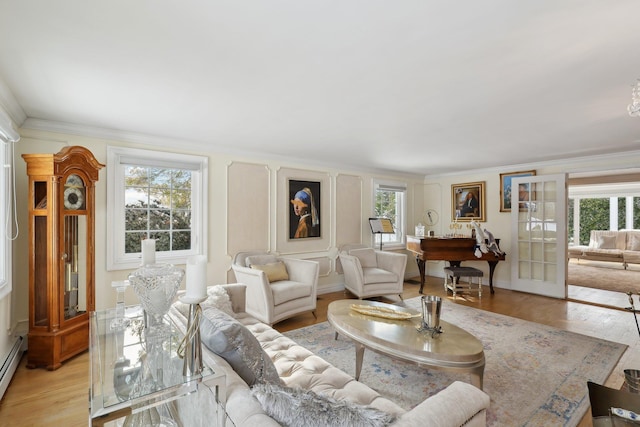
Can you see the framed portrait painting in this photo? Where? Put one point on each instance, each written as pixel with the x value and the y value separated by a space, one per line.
pixel 508 193
pixel 468 202
pixel 304 209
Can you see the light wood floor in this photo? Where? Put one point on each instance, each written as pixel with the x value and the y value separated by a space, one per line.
pixel 41 398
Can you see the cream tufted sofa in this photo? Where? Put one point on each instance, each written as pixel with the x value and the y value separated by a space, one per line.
pixel 457 405
pixel 611 246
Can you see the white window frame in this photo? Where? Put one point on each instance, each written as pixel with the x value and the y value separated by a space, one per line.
pixel 397 240
pixel 117 158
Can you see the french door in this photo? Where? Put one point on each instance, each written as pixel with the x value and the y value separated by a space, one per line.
pixel 539 235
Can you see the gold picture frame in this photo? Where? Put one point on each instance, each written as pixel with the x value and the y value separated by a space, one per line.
pixel 506 190
pixel 468 202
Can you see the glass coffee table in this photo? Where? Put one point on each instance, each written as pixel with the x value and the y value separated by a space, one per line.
pixel 454 350
pixel 136 376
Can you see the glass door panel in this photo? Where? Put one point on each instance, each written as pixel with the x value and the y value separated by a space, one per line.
pixel 74 259
pixel 538 262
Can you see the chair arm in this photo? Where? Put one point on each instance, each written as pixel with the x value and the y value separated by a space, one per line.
pixel 451 407
pixel 259 298
pixel 302 270
pixel 352 268
pixel 392 261
pixel 237 294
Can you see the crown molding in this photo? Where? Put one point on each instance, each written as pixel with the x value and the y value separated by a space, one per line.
pixel 10 105
pixel 172 143
pixel 604 159
pixel 104 133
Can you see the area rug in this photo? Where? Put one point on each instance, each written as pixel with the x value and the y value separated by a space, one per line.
pixel 604 275
pixel 536 375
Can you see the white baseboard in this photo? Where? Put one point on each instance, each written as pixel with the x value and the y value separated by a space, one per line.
pixel 336 287
pixel 10 364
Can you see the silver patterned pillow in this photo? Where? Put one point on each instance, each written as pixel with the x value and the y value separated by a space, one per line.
pixel 304 408
pixel 231 340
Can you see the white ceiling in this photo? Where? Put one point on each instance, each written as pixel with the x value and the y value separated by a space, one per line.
pixel 417 86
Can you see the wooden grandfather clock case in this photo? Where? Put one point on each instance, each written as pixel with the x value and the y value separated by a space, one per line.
pixel 61 254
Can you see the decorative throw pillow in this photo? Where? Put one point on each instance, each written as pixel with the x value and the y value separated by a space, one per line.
pixel 260 259
pixel 634 243
pixel 229 339
pixel 275 271
pixel 367 257
pixel 304 408
pixel 607 242
pixel 217 297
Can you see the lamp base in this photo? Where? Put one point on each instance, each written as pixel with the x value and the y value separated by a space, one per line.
pixel 192 362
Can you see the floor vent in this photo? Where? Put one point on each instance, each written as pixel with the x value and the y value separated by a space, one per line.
pixel 10 365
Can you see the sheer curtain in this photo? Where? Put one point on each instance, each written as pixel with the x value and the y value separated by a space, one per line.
pixel 9 230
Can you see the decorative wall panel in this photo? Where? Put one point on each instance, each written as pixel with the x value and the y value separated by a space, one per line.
pixel 248 212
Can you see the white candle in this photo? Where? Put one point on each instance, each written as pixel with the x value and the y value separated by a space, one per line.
pixel 196 277
pixel 148 252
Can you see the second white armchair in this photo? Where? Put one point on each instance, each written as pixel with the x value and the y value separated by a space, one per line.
pixel 369 272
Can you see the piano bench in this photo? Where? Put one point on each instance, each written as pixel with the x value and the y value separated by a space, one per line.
pixel 455 273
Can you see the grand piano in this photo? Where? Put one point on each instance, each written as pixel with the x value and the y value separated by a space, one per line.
pixel 452 249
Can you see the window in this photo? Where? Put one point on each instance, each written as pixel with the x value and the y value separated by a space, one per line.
pixel 155 195
pixel 390 203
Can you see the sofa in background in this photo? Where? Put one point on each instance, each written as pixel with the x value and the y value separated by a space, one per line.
pixel 458 404
pixel 621 246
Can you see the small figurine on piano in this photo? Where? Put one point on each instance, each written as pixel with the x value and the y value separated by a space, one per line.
pixel 493 245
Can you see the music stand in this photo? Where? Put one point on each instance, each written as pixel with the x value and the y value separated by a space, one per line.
pixel 381 226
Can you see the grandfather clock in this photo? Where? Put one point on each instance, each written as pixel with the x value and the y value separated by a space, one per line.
pixel 61 254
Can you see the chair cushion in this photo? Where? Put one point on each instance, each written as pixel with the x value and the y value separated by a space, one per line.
pixel 607 242
pixel 463 272
pixel 303 408
pixel 367 257
pixel 275 271
pixel 378 275
pixel 287 290
pixel 260 259
pixel 229 339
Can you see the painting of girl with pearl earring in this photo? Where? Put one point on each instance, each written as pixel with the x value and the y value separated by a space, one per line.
pixel 304 216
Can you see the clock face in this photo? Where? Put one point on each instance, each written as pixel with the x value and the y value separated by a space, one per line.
pixel 431 217
pixel 73 196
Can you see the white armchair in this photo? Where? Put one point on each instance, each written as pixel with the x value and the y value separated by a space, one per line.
pixel 291 290
pixel 369 272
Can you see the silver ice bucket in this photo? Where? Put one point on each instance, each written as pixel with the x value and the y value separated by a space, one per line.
pixel 431 306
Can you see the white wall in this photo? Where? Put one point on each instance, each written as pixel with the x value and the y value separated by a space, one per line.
pixel 248 207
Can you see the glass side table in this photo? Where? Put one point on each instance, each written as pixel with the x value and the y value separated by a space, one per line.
pixel 136 376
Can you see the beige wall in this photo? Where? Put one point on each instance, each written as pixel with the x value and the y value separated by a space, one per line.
pixel 248 210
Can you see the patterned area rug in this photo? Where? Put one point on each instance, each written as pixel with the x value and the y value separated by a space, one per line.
pixel 536 375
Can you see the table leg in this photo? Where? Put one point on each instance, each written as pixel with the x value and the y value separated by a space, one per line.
pixel 477 377
pixel 492 268
pixel 421 269
pixel 359 357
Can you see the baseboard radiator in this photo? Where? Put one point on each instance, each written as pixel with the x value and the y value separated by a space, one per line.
pixel 10 364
